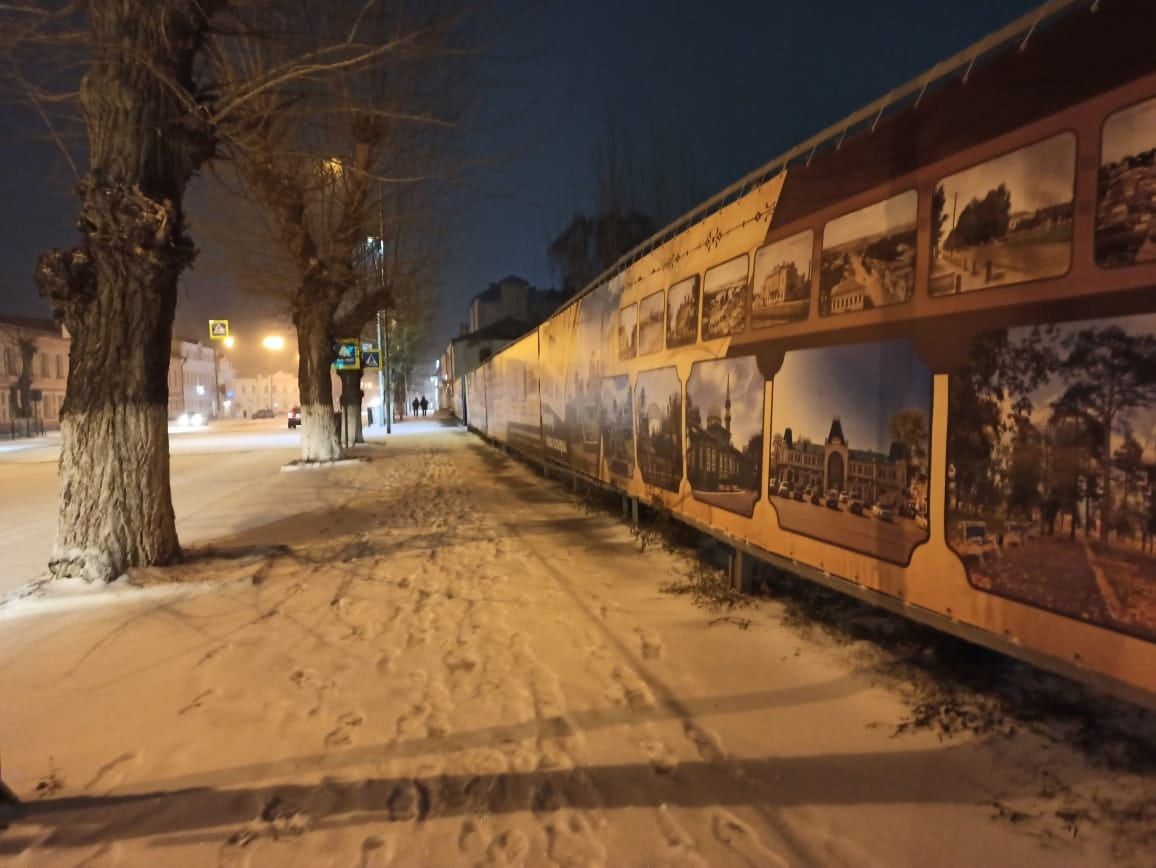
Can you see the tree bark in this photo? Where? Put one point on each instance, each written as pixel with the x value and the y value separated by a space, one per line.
pixel 315 346
pixel 351 407
pixel 117 294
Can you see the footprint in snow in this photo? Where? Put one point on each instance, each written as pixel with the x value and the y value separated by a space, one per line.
pixel 707 743
pixel 740 838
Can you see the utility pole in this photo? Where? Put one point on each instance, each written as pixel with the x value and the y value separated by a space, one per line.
pixel 383 343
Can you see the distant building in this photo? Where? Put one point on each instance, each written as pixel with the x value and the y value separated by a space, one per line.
pixel 39 408
pixel 466 352
pixel 277 392
pixel 512 298
pixel 834 466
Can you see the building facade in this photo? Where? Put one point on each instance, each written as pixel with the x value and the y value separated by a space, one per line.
pixel 834 466
pixel 512 298
pixel 713 462
pixel 277 392
pixel 32 403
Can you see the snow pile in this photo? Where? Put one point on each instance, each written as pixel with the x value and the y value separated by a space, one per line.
pixel 434 658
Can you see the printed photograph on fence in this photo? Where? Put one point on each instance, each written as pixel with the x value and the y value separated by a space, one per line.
pixel 851 445
pixel 617 426
pixel 724 301
pixel 869 257
pixel 650 323
pixel 556 338
pixel 584 377
pixel 781 285
pixel 1052 461
pixel 682 313
pixel 724 433
pixel 628 332
pixel 1126 211
pixel 1008 220
pixel 658 423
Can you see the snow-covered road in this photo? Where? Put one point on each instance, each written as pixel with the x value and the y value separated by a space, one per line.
pixel 437 658
pixel 216 473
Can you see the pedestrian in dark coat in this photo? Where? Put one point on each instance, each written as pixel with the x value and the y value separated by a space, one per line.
pixel 424 405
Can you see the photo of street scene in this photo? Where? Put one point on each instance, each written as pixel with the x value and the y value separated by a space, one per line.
pixel 851 446
pixel 617 426
pixel 658 399
pixel 1126 211
pixel 724 433
pixel 781 286
pixel 650 323
pixel 1008 220
pixel 869 257
pixel 592 333
pixel 1052 461
pixel 724 302
pixel 682 313
pixel 628 332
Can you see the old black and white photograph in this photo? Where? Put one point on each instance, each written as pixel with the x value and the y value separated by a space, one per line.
pixel 869 257
pixel 658 410
pixel 618 426
pixel 682 312
pixel 1052 451
pixel 781 284
pixel 1007 220
pixel 1126 211
pixel 724 432
pixel 650 323
pixel 628 332
pixel 851 446
pixel 724 304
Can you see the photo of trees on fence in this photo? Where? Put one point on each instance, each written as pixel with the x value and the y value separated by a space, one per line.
pixel 869 257
pixel 1126 211
pixel 682 312
pixel 1052 452
pixel 1008 220
pixel 650 323
pixel 724 432
pixel 659 425
pixel 628 332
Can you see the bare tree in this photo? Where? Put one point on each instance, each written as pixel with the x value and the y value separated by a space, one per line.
pixel 157 103
pixel 344 173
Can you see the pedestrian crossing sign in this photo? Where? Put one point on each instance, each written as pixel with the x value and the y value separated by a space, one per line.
pixel 218 329
pixel 371 357
pixel 348 355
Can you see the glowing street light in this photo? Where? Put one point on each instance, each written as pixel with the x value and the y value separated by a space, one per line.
pixel 273 342
pixel 230 342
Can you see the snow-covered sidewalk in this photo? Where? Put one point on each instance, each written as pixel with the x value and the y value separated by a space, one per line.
pixel 442 659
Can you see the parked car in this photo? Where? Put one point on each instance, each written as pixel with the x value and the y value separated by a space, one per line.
pixel 921 521
pixel 856 507
pixel 906 510
pixel 833 503
pixel 798 495
pixel 881 512
pixel 784 489
pixel 262 413
pixel 816 499
pixel 294 417
pixel 843 498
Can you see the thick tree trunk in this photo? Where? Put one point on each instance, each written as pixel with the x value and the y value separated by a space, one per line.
pixel 117 294
pixel 351 408
pixel 315 345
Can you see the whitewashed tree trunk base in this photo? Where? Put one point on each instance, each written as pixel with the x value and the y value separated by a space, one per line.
pixel 318 437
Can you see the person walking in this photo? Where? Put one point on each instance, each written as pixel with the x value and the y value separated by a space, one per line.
pixel 416 403
pixel 424 405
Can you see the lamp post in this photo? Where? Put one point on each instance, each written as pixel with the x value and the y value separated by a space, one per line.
pixel 274 344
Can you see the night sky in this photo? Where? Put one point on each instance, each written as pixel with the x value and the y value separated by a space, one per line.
pixel 730 85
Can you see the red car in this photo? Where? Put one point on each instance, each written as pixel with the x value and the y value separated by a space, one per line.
pixel 294 417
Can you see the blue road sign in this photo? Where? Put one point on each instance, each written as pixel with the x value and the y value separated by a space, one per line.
pixel 371 358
